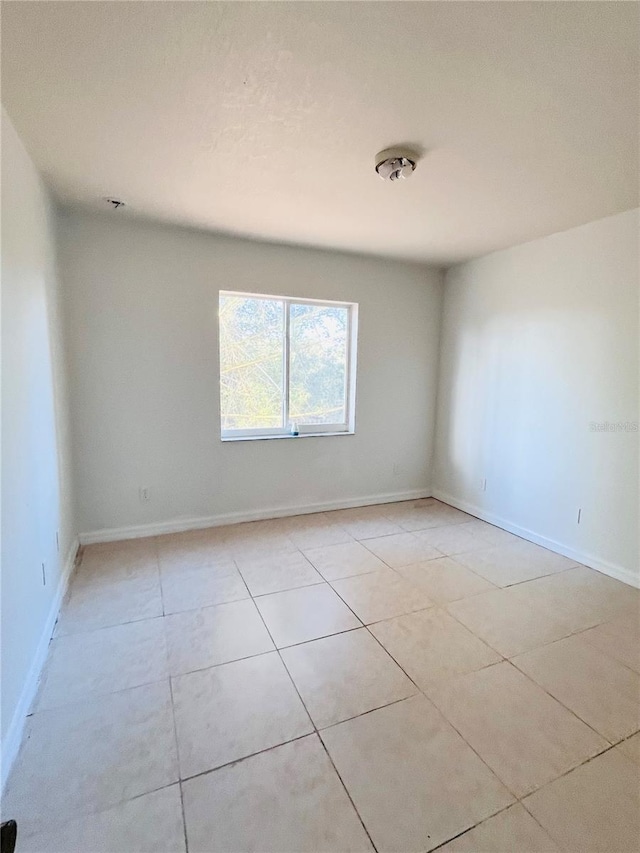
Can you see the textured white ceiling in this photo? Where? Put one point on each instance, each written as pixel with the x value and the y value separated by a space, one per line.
pixel 263 119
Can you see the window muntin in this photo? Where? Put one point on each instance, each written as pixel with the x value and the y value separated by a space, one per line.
pixel 287 366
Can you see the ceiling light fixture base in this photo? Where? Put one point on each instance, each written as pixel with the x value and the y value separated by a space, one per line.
pixel 394 164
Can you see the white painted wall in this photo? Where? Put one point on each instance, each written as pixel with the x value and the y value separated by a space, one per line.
pixel 538 342
pixel 36 488
pixel 142 330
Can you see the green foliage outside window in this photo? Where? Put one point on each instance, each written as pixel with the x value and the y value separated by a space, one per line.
pixel 252 363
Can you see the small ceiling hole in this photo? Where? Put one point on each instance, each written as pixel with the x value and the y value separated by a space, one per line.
pixel 115 203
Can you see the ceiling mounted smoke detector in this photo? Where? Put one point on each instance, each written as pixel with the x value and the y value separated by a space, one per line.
pixel 395 164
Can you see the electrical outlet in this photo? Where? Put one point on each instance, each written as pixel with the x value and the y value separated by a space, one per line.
pixel 483 484
pixel 144 493
pixel 44 576
pixel 579 519
pixel 396 470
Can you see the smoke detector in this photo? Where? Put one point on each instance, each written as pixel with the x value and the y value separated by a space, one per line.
pixel 395 164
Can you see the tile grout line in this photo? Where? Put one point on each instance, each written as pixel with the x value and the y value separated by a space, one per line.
pixel 315 729
pixel 175 737
pixel 475 826
pixel 421 692
pixel 290 588
pixel 585 761
pixel 441 715
pixel 588 760
pixel 87 814
pixel 157 552
pixel 346 790
pixel 328 582
pixel 431 702
pixel 94 696
pixel 171 675
pixel 440 554
pixel 593 645
pixel 243 758
pixel 113 625
pixel 173 707
pixel 572 633
pixel 559 701
pixel 184 817
pixel 108 627
pixel 366 713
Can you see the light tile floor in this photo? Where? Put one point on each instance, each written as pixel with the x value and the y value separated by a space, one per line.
pixel 396 678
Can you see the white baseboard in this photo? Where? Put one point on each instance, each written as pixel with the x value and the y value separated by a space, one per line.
pixel 13 738
pixel 611 569
pixel 177 525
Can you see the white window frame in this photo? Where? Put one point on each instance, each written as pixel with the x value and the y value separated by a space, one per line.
pixel 304 430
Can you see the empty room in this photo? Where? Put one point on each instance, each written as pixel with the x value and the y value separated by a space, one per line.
pixel 320 445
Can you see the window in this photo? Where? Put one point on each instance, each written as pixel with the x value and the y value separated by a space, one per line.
pixel 287 366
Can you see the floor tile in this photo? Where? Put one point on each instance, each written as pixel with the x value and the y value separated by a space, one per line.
pixel 92 606
pixel 452 539
pixel 445 580
pixel 344 675
pixel 522 733
pixel 619 638
pixel 315 531
pixel 286 800
pixel 425 516
pixel 413 780
pixel 598 689
pixel 261 780
pixel 432 647
pixel 381 595
pixel 257 545
pixel 231 711
pixel 583 598
pixel 151 823
pixel 343 561
pixel 275 572
pixel 509 564
pixel 201 586
pixel 197 639
pixel 631 747
pixel 91 755
pixel 511 831
pixel 103 661
pixel 397 510
pixel 194 548
pixel 511 620
pixel 305 614
pixel 365 522
pixel 123 547
pixel 117 561
pixel 492 534
pixel 265 529
pixel 593 809
pixel 402 549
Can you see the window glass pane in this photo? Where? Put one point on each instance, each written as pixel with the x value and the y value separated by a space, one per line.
pixel 318 364
pixel 251 362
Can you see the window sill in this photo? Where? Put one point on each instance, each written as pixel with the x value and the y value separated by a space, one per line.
pixel 272 437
